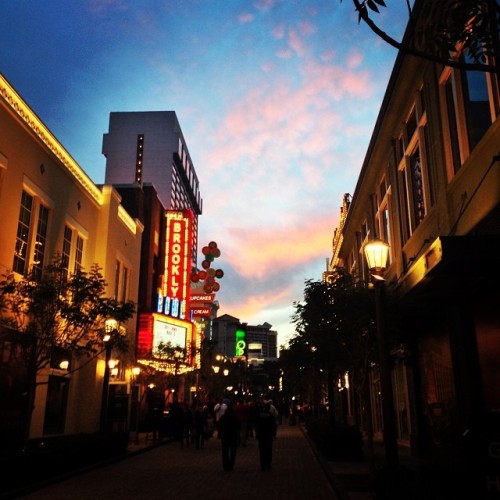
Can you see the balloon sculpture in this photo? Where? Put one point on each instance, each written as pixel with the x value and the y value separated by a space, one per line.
pixel 208 274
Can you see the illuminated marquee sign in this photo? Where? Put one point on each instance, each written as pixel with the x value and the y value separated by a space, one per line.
pixel 156 328
pixel 167 331
pixel 240 342
pixel 176 282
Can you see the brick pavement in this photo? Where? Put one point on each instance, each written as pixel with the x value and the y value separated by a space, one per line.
pixel 169 471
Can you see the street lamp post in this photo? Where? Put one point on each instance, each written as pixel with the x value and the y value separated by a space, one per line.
pixel 376 253
pixel 105 385
pixel 111 329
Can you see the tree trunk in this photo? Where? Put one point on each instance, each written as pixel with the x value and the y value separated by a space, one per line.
pixel 31 393
pixel 331 396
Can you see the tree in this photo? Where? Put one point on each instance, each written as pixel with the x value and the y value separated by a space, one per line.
pixel 336 321
pixel 443 31
pixel 299 374
pixel 53 312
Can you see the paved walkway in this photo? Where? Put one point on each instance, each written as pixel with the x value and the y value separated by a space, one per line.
pixel 169 471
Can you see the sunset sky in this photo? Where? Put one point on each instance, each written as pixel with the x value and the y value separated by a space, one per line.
pixel 277 100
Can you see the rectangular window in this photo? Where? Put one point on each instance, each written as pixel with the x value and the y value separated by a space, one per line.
pixel 382 216
pixel 414 172
pixel 122 277
pixel 469 100
pixel 477 106
pixel 21 255
pixel 124 284
pixel 41 241
pixel 66 248
pixel 417 187
pixel 413 191
pixel 72 249
pixel 454 143
pixel 79 252
pixel 117 280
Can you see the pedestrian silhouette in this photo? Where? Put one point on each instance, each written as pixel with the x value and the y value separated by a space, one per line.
pixel 265 428
pixel 227 427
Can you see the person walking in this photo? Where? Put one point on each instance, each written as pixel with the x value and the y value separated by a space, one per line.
pixel 200 422
pixel 265 428
pixel 187 425
pixel 227 427
pixel 241 411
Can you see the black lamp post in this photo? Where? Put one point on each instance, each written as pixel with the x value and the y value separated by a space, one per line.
pixel 376 253
pixel 111 329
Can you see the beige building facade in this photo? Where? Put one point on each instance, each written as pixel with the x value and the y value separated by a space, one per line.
pixel 50 206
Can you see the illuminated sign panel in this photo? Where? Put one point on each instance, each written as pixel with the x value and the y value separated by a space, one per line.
pixel 166 331
pixel 240 342
pixel 155 328
pixel 202 312
pixel 176 282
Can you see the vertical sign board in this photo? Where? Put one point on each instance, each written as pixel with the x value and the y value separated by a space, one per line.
pixel 240 342
pixel 175 290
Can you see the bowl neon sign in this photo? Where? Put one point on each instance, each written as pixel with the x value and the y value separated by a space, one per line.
pixel 240 342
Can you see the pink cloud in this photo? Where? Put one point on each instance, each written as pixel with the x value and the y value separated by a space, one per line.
pixel 275 250
pixel 284 122
pixel 278 31
pixel 253 304
pixel 354 59
pixel 264 4
pixel 295 42
pixel 246 18
pixel 268 67
pixel 306 28
pixel 284 53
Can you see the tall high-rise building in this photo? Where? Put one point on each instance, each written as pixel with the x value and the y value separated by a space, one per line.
pixel 148 163
pixel 148 147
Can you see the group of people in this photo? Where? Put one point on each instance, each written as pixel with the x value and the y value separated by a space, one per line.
pixel 192 423
pixel 236 422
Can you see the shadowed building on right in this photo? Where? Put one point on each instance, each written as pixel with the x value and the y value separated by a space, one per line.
pixel 429 186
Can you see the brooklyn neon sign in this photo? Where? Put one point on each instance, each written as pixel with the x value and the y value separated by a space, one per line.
pixel 176 282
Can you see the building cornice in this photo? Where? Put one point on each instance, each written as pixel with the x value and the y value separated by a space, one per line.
pixel 31 120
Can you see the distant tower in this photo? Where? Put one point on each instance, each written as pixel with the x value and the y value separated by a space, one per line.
pixel 148 147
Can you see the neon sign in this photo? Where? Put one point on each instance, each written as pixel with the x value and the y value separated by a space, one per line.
pixel 176 282
pixel 240 342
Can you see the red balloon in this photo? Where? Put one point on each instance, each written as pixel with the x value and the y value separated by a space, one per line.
pixel 205 264
pixel 219 273
pixel 216 287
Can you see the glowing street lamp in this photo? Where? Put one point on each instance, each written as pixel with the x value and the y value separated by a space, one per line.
pixel 377 253
pixel 111 329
